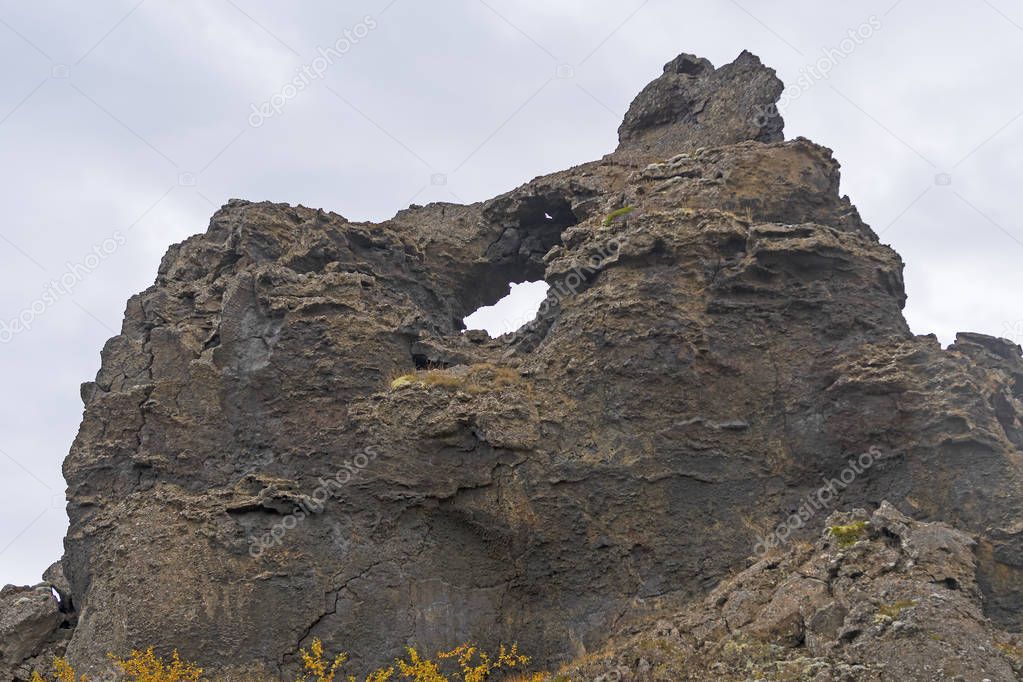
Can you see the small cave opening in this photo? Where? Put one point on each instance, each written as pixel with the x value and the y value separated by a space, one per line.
pixel 519 307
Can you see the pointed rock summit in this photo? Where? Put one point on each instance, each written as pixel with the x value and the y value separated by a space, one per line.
pixel 694 105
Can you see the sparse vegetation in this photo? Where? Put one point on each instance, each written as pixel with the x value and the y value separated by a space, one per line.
pixel 850 533
pixel 62 672
pixel 668 659
pixel 618 213
pixel 139 666
pixel 472 379
pixel 402 380
pixel 1013 653
pixel 321 669
pixel 465 663
pixel 748 659
pixel 889 612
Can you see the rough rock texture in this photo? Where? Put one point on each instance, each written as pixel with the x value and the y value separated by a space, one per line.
pixel 693 105
pixel 723 332
pixel 34 627
pixel 896 601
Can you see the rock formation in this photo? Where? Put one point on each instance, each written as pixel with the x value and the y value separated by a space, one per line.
pixel 887 599
pixel 292 437
pixel 35 625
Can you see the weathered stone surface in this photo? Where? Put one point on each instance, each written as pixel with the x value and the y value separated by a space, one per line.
pixel 694 105
pixel 34 627
pixel 723 332
pixel 899 602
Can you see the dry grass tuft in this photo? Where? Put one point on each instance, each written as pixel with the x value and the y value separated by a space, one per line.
pixel 890 612
pixel 477 378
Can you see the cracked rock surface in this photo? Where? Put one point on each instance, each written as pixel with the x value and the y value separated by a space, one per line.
pixel 722 334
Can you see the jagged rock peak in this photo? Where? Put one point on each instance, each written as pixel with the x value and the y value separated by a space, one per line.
pixel 694 105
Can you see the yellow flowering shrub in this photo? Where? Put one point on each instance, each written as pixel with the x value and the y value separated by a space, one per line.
pixel 469 663
pixel 145 666
pixel 62 672
pixel 466 663
pixel 419 669
pixel 477 665
pixel 321 669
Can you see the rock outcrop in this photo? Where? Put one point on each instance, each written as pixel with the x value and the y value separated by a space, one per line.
pixel 292 438
pixel 35 626
pixel 882 597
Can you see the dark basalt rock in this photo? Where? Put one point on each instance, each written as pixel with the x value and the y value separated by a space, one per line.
pixel 692 105
pixel 723 333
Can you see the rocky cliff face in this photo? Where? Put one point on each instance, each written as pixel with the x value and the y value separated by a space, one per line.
pixel 292 437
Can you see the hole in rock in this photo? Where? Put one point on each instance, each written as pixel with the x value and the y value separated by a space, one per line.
pixel 519 307
pixel 524 229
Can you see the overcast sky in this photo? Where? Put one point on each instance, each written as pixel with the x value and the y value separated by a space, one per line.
pixel 124 124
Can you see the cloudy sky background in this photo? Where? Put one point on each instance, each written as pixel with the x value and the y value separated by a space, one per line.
pixel 124 124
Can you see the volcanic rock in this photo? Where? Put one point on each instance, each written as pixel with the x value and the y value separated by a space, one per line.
pixel 292 438
pixel 897 602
